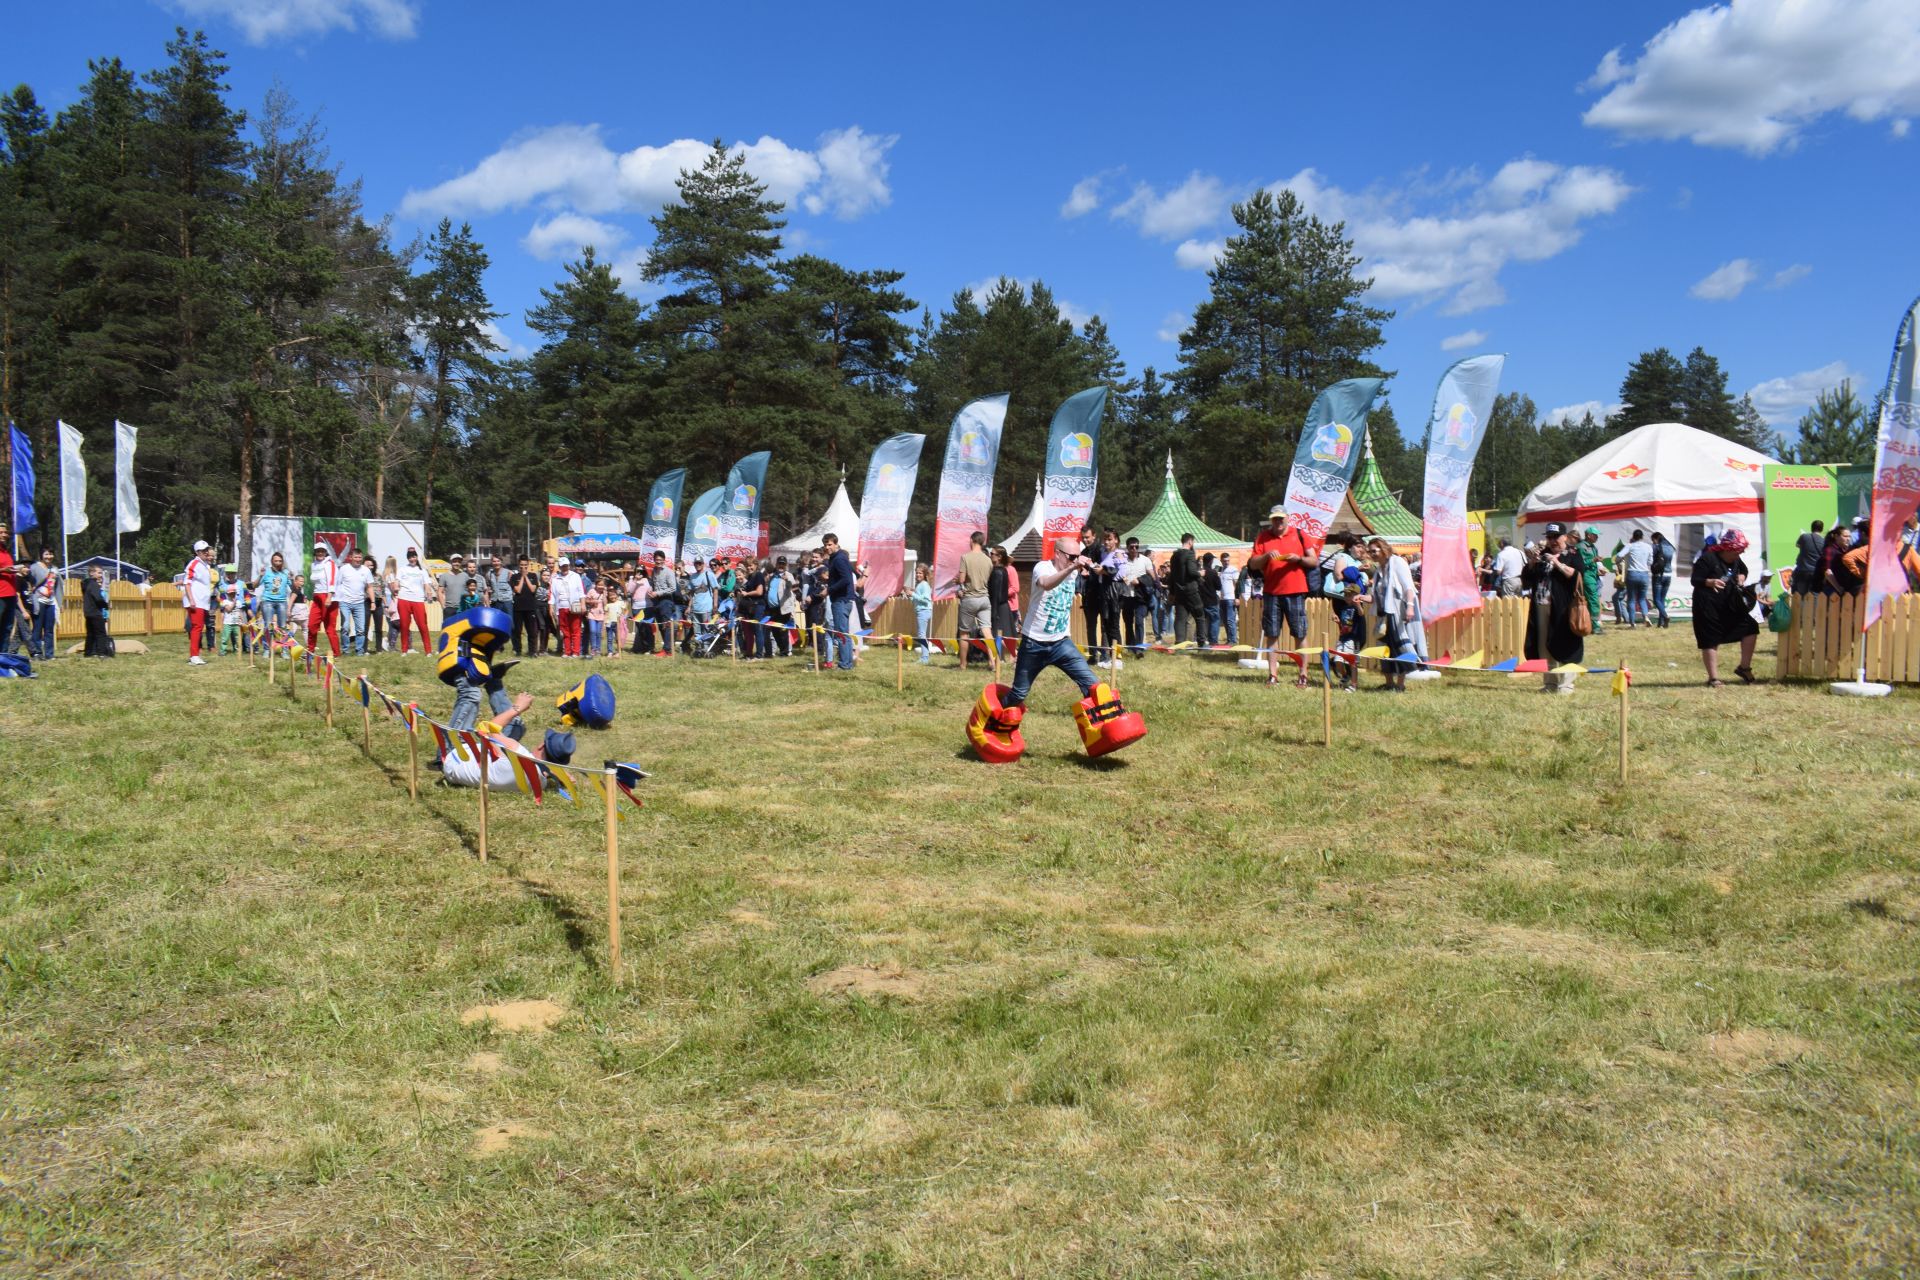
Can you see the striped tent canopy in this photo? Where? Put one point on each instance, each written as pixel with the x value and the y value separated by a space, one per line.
pixel 1171 519
pixel 1371 509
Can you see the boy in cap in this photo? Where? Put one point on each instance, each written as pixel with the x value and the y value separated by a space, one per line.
pixel 233 607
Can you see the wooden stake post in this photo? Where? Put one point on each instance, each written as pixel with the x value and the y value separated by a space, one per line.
pixel 1326 700
pixel 413 756
pixel 612 788
pixel 326 679
pixel 1625 690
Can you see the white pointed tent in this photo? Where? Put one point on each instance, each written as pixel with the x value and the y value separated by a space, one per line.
pixel 1023 544
pixel 841 519
pixel 1665 478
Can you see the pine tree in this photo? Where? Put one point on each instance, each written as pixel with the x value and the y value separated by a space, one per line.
pixel 1285 318
pixel 1837 429
pixel 588 385
pixel 1704 400
pixel 454 320
pixel 1510 461
pixel 28 248
pixel 1402 465
pixel 1654 390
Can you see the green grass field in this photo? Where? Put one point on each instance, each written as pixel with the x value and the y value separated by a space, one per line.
pixel 1442 1001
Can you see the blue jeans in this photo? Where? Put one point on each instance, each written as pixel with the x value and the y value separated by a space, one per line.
pixel 596 635
pixel 664 613
pixel 922 624
pixel 353 621
pixel 1211 627
pixel 1230 614
pixel 467 696
pixel 40 644
pixel 1037 655
pixel 9 610
pixel 1136 617
pixel 1162 617
pixel 1660 585
pixel 272 613
pixel 1639 587
pixel 842 643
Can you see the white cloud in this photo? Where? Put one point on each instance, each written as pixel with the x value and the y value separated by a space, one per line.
pixel 1083 199
pixel 570 165
pixel 1782 400
pixel 1789 275
pixel 1198 255
pixel 261 21
pixel 1198 202
pixel 512 348
pixel 1901 127
pixel 1529 211
pixel 1460 341
pixel 1172 325
pixel 1725 282
pixel 566 234
pixel 1600 410
pixel 1753 74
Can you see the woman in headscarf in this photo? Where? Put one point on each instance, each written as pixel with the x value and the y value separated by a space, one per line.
pixel 1723 607
pixel 1552 581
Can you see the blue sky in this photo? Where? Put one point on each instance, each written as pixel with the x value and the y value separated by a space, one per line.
pixel 1571 184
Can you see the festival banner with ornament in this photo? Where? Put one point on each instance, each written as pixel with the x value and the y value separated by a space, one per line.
pixel 1329 454
pixel 1896 471
pixel 660 530
pixel 740 514
pixel 966 487
pixel 1073 444
pixel 703 525
pixel 1461 407
pixel 883 513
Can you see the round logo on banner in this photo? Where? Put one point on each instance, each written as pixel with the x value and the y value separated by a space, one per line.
pixel 1332 443
pixel 662 509
pixel 744 496
pixel 707 529
pixel 1076 450
pixel 973 448
pixel 1460 424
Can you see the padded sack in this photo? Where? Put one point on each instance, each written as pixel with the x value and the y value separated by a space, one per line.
pixel 590 703
pixel 994 727
pixel 1106 725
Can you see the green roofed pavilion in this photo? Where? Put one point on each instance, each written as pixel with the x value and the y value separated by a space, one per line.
pixel 1171 519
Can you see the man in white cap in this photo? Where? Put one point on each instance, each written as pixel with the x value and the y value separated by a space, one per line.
pixel 196 597
pixel 322 609
pixel 567 596
pixel 1282 556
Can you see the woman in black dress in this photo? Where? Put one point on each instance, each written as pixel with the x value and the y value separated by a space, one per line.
pixel 1552 581
pixel 1723 607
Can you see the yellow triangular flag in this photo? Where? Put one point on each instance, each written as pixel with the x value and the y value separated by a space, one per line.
pixel 1569 669
pixel 1473 661
pixel 1375 651
pixel 1620 682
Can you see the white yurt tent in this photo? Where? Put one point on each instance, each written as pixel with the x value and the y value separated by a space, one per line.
pixel 1665 478
pixel 841 519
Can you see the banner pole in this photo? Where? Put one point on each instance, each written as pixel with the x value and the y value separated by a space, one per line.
pixel 1625 689
pixel 413 761
pixel 899 664
pixel 366 724
pixel 612 783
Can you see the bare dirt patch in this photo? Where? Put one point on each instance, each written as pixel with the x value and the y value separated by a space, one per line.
pixel 534 1017
pixel 486 1064
pixel 1753 1048
pixel 741 915
pixel 492 1139
pixel 870 982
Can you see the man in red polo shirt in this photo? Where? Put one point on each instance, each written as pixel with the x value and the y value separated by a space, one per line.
pixel 1281 556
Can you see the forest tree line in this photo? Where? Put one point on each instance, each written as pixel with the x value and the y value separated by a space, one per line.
pixel 211 276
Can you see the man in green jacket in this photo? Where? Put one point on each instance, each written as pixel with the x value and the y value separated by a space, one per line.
pixel 1587 552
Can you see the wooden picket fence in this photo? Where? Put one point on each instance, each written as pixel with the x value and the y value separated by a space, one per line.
pixel 134 612
pixel 1499 630
pixel 1824 642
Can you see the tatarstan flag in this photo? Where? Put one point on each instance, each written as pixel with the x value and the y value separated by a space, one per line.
pixel 559 508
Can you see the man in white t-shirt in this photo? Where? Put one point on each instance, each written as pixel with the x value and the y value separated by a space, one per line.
pixel 411 605
pixel 567 596
pixel 322 611
pixel 1508 565
pixel 1044 638
pixel 350 597
pixel 460 769
pixel 1138 575
pixel 196 597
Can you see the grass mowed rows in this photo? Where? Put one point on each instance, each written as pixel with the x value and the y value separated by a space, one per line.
pixel 1442 1001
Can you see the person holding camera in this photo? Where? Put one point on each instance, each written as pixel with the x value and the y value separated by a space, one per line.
pixel 1553 582
pixel 1044 639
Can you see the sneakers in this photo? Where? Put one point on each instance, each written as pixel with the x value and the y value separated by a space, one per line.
pixel 1272 681
pixel 1301 683
pixel 196 661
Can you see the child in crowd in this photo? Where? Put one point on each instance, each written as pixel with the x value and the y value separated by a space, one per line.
pixel 471 597
pixel 233 607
